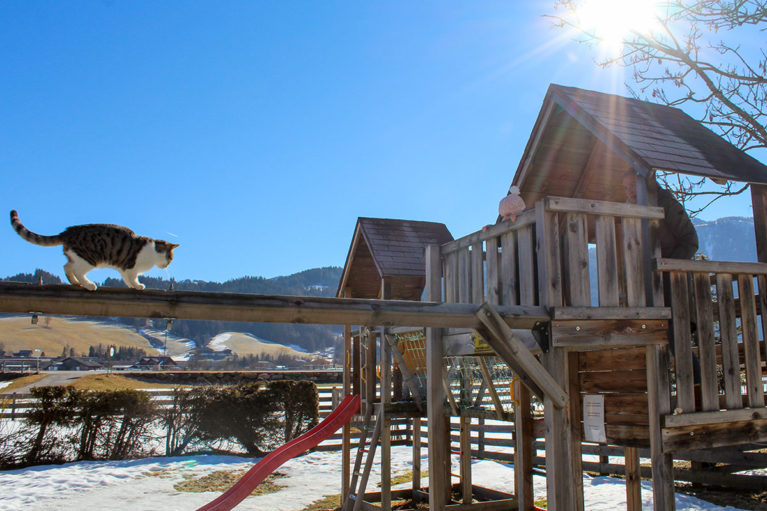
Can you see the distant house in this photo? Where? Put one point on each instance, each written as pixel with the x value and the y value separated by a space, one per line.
pixel 263 364
pixel 29 353
pixel 79 364
pixel 155 363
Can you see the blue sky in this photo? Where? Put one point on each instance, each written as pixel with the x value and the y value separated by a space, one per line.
pixel 255 133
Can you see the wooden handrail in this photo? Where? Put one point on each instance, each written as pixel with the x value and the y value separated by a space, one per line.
pixel 598 207
pixel 492 231
pixel 688 265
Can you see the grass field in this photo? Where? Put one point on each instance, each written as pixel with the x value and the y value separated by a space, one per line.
pixel 103 381
pixel 52 335
pixel 244 344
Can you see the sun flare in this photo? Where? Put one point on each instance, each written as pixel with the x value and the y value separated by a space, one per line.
pixel 612 20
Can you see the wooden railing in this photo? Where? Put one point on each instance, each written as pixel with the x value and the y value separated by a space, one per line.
pixel 542 258
pixel 719 319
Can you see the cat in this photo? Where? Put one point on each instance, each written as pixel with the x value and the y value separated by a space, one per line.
pixel 103 246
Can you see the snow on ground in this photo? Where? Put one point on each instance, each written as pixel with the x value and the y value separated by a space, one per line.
pixel 218 343
pixel 147 484
pixel 4 384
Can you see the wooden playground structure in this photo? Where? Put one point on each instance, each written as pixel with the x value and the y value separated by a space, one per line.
pixel 516 313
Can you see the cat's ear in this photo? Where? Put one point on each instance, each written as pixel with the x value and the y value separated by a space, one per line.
pixel 165 246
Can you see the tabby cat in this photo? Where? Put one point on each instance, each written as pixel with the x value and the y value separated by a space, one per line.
pixel 103 246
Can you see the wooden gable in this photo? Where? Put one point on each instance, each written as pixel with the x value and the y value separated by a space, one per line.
pixel 584 141
pixel 390 251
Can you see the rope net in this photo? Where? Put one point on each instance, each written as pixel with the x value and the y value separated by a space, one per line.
pixel 468 378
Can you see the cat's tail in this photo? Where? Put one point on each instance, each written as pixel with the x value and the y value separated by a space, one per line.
pixel 37 239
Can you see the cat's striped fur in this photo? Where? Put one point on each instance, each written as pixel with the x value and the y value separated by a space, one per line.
pixel 103 246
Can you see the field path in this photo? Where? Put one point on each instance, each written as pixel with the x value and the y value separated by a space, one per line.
pixel 52 378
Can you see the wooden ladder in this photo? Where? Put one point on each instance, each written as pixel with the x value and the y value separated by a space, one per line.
pixel 357 495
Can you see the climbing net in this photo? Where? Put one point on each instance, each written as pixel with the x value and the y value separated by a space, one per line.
pixel 480 381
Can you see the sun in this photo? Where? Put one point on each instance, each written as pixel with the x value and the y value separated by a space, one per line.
pixel 612 20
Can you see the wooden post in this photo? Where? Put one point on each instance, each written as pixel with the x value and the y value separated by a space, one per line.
pixel 416 453
pixel 523 448
pixel 370 365
pixel 439 468
pixel 575 412
pixel 659 404
pixel 466 459
pixel 561 482
pixel 386 429
pixel 347 430
pixel 633 480
pixel 759 205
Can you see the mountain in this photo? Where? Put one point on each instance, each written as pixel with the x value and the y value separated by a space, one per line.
pixel 724 239
pixel 313 282
pixel 727 239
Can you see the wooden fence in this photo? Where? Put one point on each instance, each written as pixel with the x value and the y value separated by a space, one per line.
pixel 494 440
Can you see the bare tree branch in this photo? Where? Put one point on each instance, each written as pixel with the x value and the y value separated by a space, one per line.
pixel 691 59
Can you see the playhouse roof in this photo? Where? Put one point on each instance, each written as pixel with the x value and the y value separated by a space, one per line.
pixel 392 249
pixel 584 141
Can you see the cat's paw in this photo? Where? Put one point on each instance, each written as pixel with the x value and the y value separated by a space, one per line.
pixel 138 285
pixel 90 286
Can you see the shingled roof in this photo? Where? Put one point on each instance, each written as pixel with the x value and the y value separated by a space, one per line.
pixel 384 248
pixel 583 141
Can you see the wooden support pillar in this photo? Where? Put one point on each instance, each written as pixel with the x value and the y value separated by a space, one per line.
pixel 438 432
pixel 523 448
pixel 560 479
pixel 386 463
pixel 416 453
pixel 346 457
pixel 386 381
pixel 575 412
pixel 659 404
pixel 466 459
pixel 369 341
pixel 633 480
pixel 759 205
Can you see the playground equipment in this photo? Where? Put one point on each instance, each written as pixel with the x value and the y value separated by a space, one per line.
pixel 572 331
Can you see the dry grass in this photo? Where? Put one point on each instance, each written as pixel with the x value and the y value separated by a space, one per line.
pixel 101 381
pixel 222 480
pixel 326 503
pixel 24 381
pixel 243 344
pixel 53 334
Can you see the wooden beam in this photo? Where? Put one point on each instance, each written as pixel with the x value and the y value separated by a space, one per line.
pixel 606 333
pixel 707 436
pixel 759 205
pixel 689 265
pixel 717 417
pixel 597 207
pixel 611 313
pixel 150 303
pixel 518 357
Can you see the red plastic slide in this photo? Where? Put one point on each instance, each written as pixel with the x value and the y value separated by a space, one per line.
pixel 242 488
